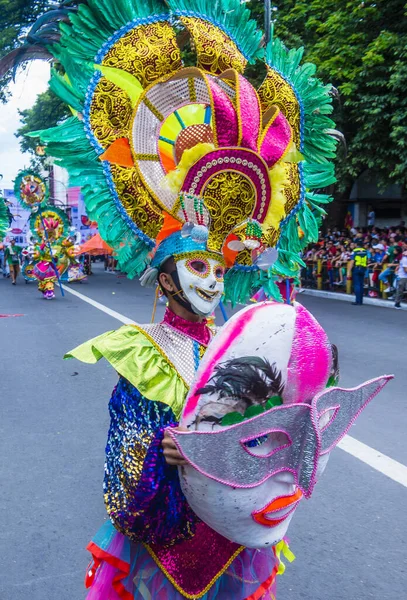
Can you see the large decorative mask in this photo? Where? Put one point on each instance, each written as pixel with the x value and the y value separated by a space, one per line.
pixel 267 372
pixel 201 281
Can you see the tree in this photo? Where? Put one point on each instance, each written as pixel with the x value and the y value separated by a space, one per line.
pixel 361 48
pixel 16 16
pixel 47 111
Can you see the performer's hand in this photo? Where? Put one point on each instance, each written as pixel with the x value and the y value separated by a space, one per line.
pixel 171 453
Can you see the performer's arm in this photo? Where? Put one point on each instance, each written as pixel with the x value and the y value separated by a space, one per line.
pixel 142 492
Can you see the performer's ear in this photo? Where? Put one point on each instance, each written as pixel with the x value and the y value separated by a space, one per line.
pixel 165 279
pixel 167 284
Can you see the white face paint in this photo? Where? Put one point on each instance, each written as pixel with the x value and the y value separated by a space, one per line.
pixel 201 280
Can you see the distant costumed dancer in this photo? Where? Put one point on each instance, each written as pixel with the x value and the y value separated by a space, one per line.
pixel 32 193
pixel 49 229
pixel 74 270
pixel 206 186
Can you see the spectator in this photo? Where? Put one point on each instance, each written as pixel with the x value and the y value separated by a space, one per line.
pixel 335 247
pixel 357 267
pixel 12 256
pixel 401 279
pixel 371 217
pixel 3 262
pixel 391 260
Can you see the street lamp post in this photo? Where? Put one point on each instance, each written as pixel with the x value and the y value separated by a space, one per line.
pixel 267 20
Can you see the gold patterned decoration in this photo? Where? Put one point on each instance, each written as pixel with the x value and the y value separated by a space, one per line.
pixel 292 187
pixel 276 91
pixel 230 198
pixel 215 50
pixel 138 203
pixel 245 258
pixel 271 237
pixel 111 113
pixel 148 52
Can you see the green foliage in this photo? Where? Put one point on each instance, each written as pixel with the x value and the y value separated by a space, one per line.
pixel 361 48
pixel 47 111
pixel 16 16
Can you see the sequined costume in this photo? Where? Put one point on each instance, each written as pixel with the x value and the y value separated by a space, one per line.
pixel 161 542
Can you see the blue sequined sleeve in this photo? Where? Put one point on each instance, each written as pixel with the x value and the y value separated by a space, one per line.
pixel 142 493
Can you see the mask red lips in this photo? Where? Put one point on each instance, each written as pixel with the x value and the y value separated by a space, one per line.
pixel 277 506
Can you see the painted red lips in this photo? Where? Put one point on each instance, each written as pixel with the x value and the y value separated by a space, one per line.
pixel 277 507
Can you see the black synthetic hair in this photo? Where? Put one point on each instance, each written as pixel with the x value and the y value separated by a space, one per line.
pixel 250 379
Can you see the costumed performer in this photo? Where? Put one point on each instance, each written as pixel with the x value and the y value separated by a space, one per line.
pixel 229 172
pixel 5 222
pixel 12 256
pixel 74 270
pixel 48 227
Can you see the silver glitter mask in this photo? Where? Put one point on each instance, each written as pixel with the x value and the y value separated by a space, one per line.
pixel 288 438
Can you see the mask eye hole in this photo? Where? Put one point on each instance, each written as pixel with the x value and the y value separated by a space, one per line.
pixel 219 272
pixel 267 444
pixel 198 267
pixel 326 417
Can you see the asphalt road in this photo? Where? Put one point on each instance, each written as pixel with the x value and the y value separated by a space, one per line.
pixel 349 538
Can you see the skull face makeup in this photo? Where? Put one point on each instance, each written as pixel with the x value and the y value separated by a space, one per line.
pixel 246 480
pixel 201 281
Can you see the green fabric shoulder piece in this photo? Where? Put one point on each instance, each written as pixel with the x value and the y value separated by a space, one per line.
pixel 137 358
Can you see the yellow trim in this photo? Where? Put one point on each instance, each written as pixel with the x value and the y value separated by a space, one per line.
pixel 192 90
pixel 200 254
pixel 160 350
pixel 147 157
pixel 238 111
pixel 153 109
pixel 175 584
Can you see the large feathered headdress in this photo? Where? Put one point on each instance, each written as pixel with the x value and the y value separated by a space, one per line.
pixel 159 147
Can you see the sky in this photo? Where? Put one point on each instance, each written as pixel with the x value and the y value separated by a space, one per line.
pixel 29 83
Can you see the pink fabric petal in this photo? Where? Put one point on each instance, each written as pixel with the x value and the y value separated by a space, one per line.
pixel 224 116
pixel 277 138
pixel 248 110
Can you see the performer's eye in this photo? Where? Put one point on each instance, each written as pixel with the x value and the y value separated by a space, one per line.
pixel 219 273
pixel 199 266
pixel 267 444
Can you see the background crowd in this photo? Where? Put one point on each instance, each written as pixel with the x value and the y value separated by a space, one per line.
pixel 333 252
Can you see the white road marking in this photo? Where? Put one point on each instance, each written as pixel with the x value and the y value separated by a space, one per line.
pixel 375 459
pixel 100 306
